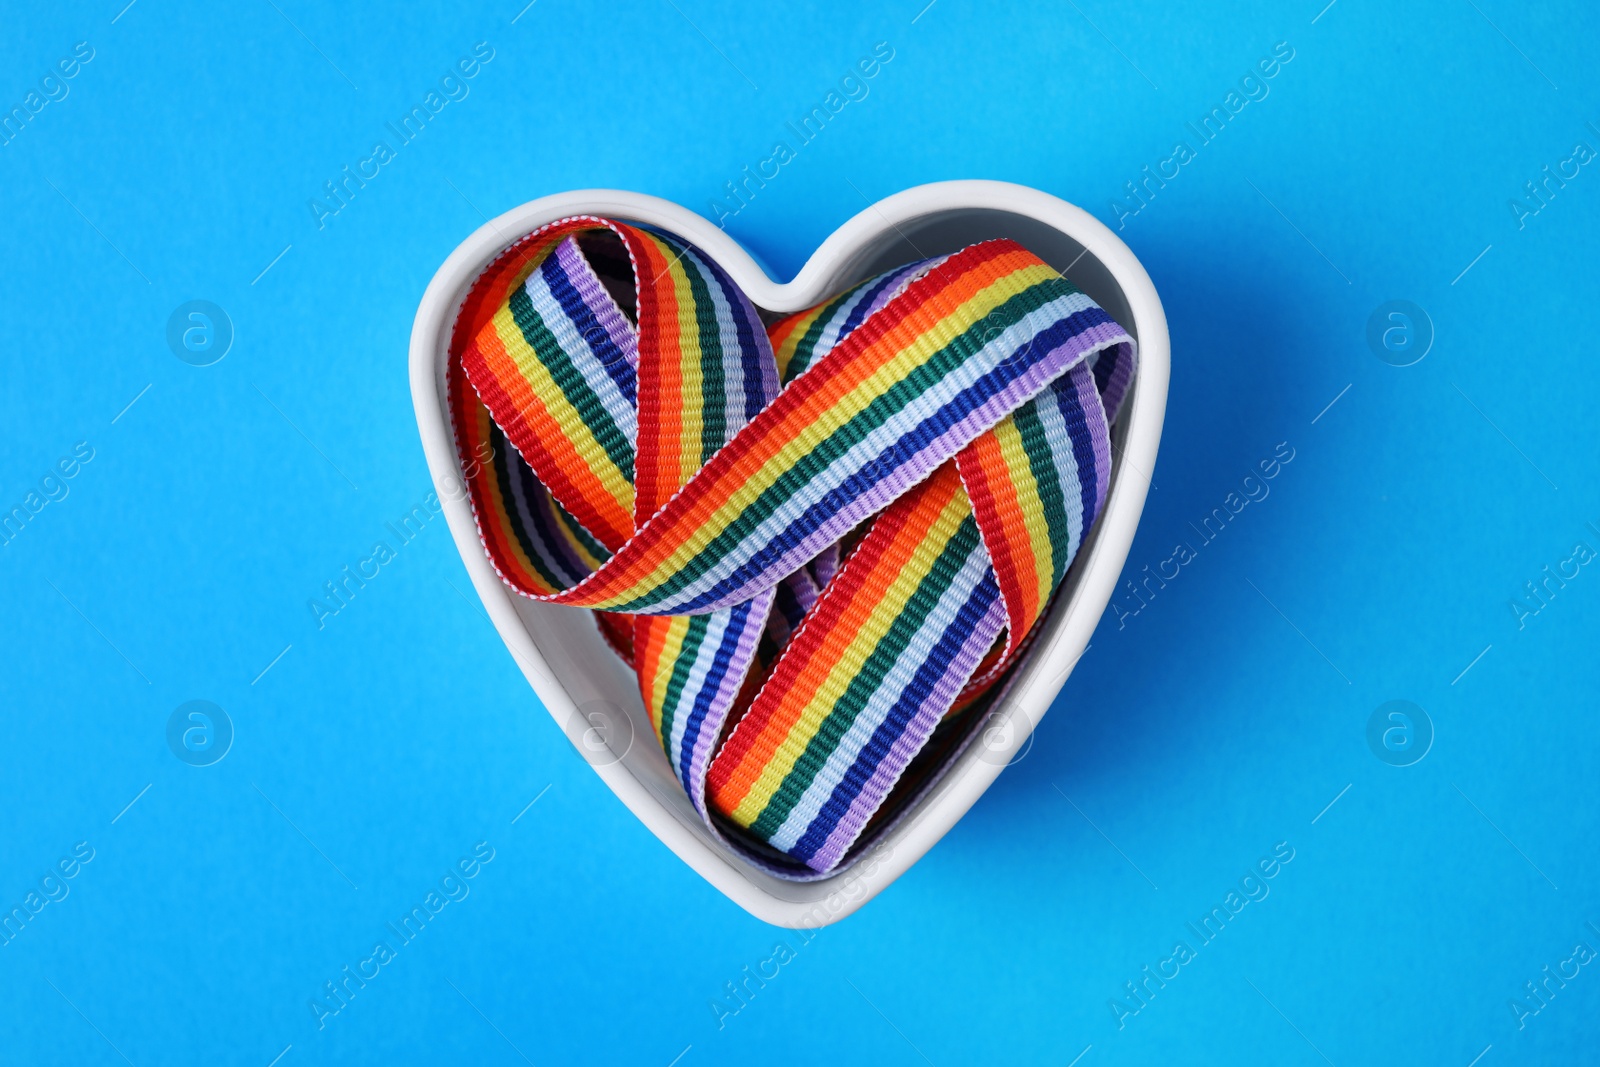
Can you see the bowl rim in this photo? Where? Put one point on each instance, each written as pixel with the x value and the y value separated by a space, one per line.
pixel 1071 623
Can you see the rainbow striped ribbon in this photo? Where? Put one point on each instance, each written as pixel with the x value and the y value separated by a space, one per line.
pixel 818 542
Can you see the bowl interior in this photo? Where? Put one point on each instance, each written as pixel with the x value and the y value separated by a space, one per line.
pixel 609 726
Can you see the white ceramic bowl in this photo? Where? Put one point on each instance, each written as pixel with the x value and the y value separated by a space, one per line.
pixel 594 697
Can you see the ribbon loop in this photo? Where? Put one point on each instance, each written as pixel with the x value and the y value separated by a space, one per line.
pixel 814 543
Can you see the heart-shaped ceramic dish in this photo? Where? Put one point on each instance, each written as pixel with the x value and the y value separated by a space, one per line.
pixel 594 697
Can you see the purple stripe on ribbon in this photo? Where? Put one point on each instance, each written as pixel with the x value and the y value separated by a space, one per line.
pixel 902 734
pixel 713 702
pixel 918 452
pixel 585 301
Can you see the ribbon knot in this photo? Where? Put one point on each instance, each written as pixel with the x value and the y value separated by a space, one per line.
pixel 818 541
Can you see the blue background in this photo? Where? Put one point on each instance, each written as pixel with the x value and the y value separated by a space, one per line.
pixel 1220 720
